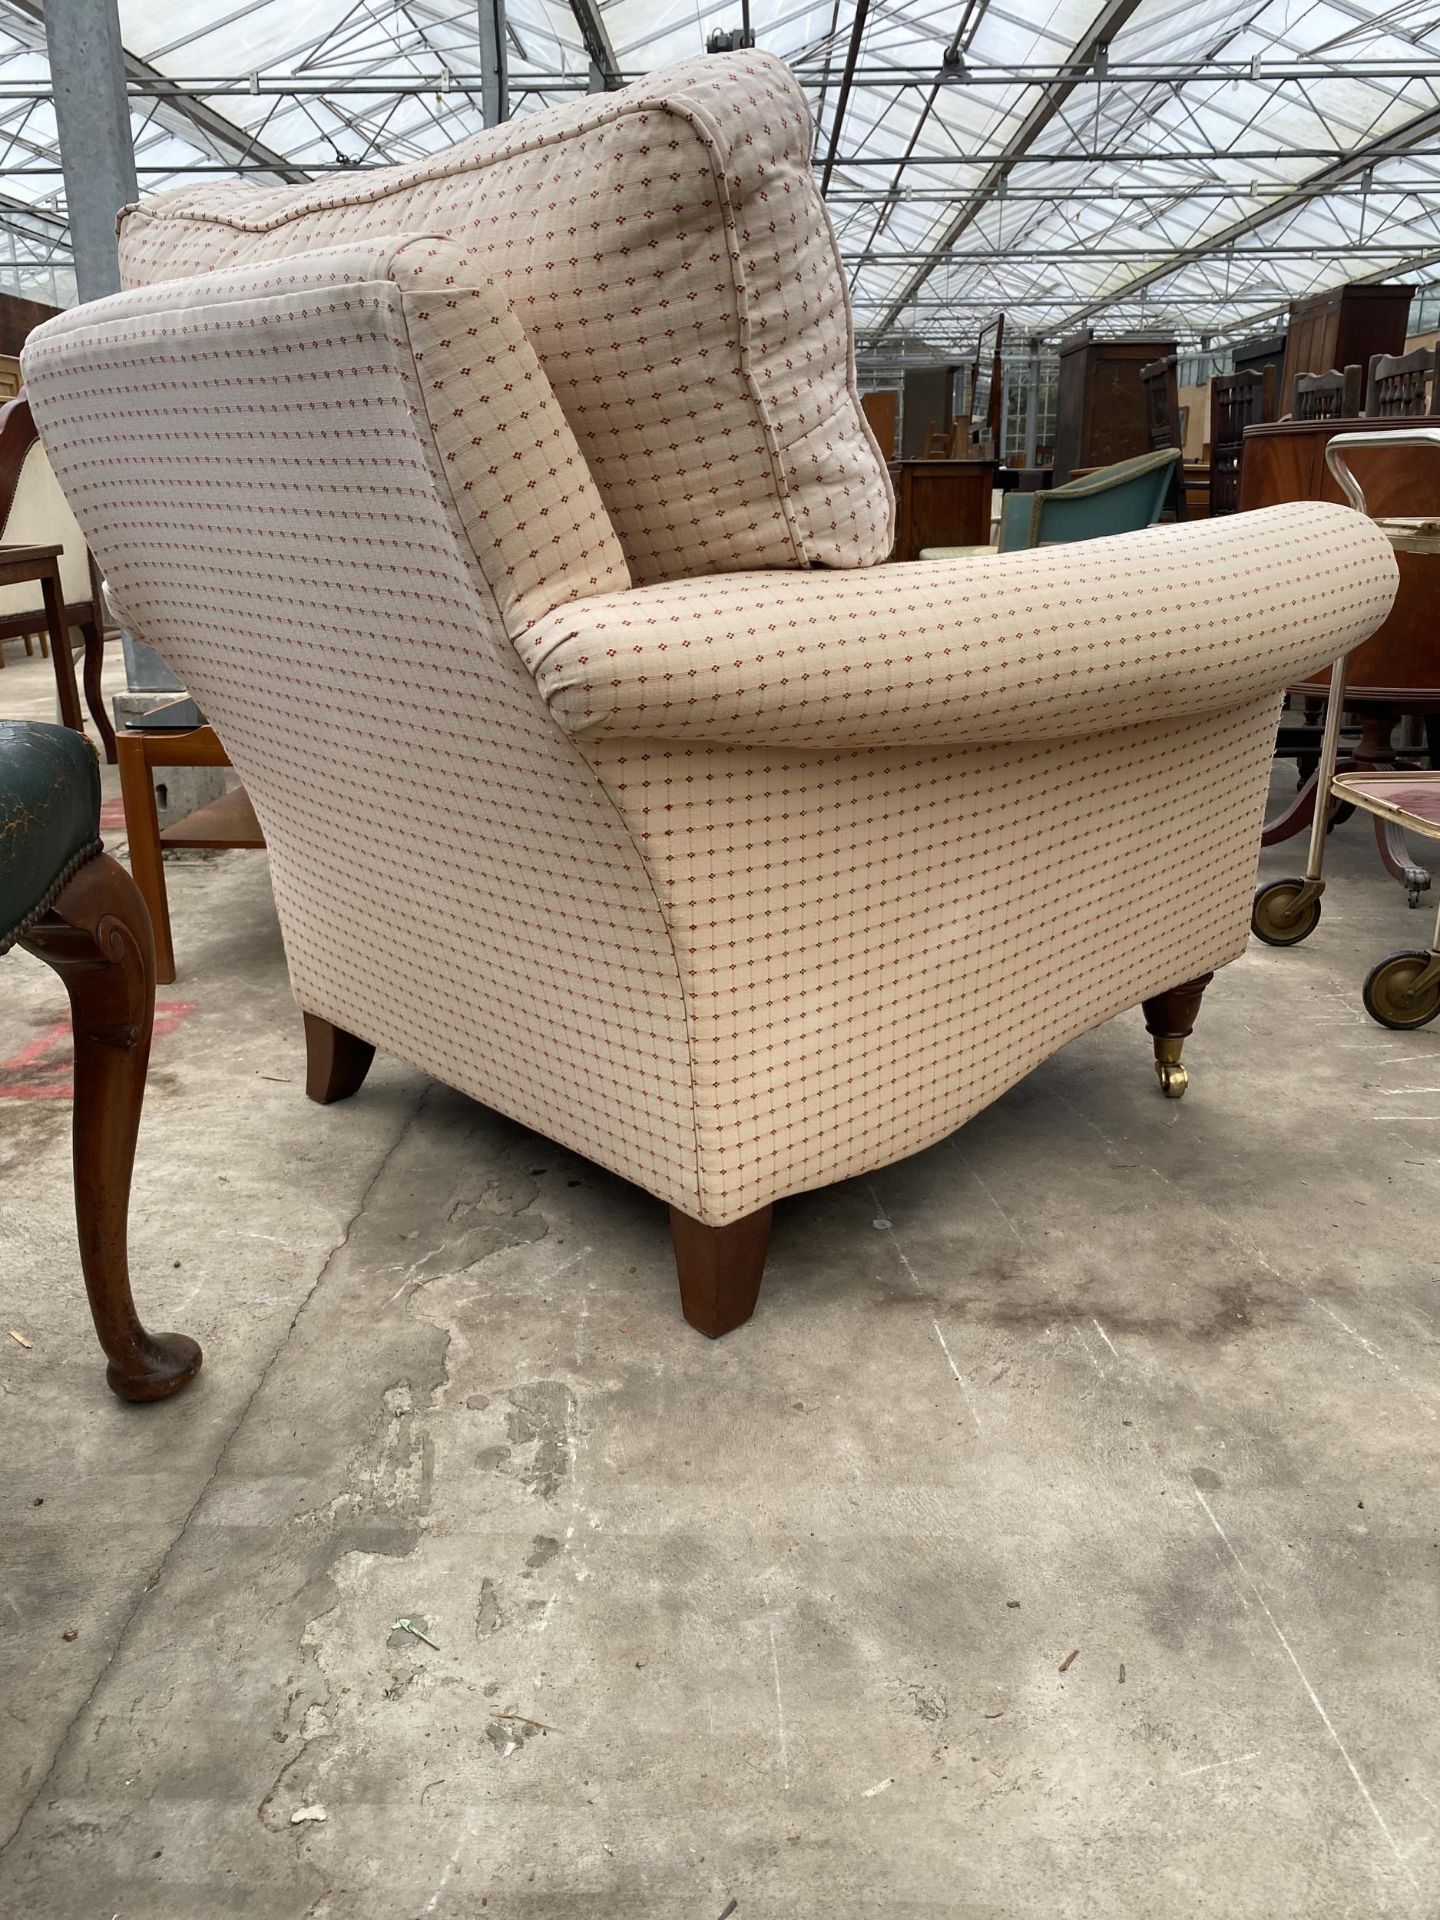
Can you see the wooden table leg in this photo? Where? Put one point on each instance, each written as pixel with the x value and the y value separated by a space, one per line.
pixel 61 657
pixel 147 862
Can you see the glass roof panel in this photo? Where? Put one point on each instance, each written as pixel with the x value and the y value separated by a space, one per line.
pixel 1185 165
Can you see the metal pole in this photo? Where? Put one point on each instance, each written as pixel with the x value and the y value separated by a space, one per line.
pixel 1032 403
pixel 92 117
pixel 494 63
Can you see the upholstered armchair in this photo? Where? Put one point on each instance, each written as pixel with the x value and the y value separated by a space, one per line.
pixel 514 519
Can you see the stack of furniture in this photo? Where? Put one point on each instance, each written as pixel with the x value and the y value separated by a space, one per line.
pixel 734 916
pixel 1342 328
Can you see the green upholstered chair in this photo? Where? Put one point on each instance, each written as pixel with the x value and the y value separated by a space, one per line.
pixel 1118 499
pixel 64 900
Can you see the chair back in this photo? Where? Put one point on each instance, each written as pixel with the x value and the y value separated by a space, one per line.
pixel 1162 410
pixel 1327 396
pixel 1397 385
pixel 1118 499
pixel 1237 401
pixel 34 513
pixel 667 252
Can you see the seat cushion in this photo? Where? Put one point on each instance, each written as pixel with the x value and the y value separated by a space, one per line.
pixel 49 818
pixel 668 256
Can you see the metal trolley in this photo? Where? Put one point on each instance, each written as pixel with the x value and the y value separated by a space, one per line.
pixel 1402 990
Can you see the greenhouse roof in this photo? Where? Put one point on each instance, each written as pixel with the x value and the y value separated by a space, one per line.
pixel 1181 169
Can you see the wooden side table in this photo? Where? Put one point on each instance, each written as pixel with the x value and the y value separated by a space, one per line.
pixel 21 564
pixel 228 822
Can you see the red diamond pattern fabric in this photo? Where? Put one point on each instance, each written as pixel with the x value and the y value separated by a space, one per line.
pixel 1048 644
pixel 774 916
pixel 667 254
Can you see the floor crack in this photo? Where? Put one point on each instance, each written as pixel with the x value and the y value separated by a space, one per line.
pixel 153 1579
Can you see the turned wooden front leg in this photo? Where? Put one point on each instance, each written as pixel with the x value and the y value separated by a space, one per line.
pixel 97 938
pixel 1170 1020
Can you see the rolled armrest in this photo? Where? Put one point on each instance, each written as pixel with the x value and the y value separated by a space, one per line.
pixel 1047 644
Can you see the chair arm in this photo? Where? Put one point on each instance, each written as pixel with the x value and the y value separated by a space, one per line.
pixel 1052 643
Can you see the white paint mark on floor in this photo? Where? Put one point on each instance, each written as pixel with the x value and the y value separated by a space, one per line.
pixel 779 1709
pixel 433 1902
pixel 1239 1760
pixel 1104 1336
pixel 959 1377
pixel 1316 1702
pixel 915 1282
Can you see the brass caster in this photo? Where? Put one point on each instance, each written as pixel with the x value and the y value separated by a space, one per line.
pixel 1285 912
pixel 1173 1078
pixel 1403 991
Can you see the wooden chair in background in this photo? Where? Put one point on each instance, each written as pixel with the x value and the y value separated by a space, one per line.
pixel 33 513
pixel 1328 396
pixel 1162 403
pixel 1395 389
pixel 1237 401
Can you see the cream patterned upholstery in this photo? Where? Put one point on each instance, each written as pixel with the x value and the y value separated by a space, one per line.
pixel 668 256
pixel 738 883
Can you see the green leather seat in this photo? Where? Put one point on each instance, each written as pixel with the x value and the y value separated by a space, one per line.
pixel 1118 499
pixel 49 818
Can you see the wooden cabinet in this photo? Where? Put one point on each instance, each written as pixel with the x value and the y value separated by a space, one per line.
pixel 1100 409
pixel 1341 329
pixel 1286 461
pixel 881 408
pixel 929 402
pixel 941 503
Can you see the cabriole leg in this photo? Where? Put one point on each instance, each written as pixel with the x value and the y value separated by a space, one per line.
pixel 97 938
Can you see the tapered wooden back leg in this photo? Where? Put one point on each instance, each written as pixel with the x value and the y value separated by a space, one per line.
pixel 336 1063
pixel 720 1269
pixel 97 938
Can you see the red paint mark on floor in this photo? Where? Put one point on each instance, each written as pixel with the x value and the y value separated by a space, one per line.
pixel 112 816
pixel 44 1069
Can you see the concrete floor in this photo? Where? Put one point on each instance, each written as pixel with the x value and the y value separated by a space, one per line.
pixel 1060 1539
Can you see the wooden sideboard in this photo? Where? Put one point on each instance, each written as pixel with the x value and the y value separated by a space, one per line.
pixel 1286 461
pixel 941 503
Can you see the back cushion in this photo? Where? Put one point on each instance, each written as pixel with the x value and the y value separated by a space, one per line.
pixel 668 256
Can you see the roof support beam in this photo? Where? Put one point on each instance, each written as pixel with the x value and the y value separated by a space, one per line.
pixel 181 112
pixel 1414 133
pixel 92 117
pixel 1112 17
pixel 596 38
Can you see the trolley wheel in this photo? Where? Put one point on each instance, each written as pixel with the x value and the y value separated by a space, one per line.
pixel 1389 993
pixel 1273 917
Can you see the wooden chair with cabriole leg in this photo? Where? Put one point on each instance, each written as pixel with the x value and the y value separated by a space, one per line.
pixel 65 901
